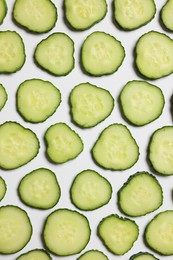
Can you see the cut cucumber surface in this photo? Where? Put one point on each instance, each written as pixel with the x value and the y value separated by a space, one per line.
pixel 154 57
pixel 37 100
pixel 159 233
pixel 66 232
pixel 18 145
pixel 40 189
pixel 101 54
pixel 35 254
pixel 55 54
pixel 3 96
pixel 3 10
pixel 132 14
pixel 90 190
pixel 115 148
pixel 93 255
pixel 62 143
pixel 118 234
pixel 37 16
pixel 140 195
pixel 166 15
pixel 15 229
pixel 81 15
pixel 90 104
pixel 141 102
pixel 143 256
pixel 12 52
pixel 160 152
pixel 3 188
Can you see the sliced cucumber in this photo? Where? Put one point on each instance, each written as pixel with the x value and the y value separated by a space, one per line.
pixel 3 96
pixel 63 143
pixel 3 188
pixel 132 14
pixel 37 16
pixel 81 15
pixel 55 54
pixel 140 195
pixel 118 234
pixel 141 102
pixel 143 256
pixel 37 100
pixel 40 189
pixel 154 55
pixel 66 232
pixel 35 254
pixel 160 151
pixel 93 255
pixel 166 15
pixel 101 54
pixel 90 104
pixel 3 10
pixel 12 52
pixel 115 148
pixel 15 229
pixel 159 233
pixel 18 145
pixel 90 190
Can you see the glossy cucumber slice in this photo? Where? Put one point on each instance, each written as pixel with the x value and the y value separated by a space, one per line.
pixel 93 255
pixel 166 15
pixel 3 96
pixel 3 10
pixel 3 188
pixel 35 254
pixel 143 256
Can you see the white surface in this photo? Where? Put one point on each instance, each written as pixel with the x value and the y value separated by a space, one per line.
pixel 67 171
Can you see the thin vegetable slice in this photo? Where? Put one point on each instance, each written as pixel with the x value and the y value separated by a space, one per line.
pixel 3 96
pixel 36 254
pixel 3 10
pixel 3 188
pixel 93 255
pixel 143 256
pixel 166 15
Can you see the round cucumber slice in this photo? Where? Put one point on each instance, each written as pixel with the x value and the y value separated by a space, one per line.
pixel 3 10
pixel 93 255
pixel 35 254
pixel 166 15
pixel 3 188
pixel 3 96
pixel 143 256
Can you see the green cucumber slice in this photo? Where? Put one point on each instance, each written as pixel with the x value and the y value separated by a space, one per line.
pixel 143 256
pixel 3 188
pixel 3 10
pixel 35 254
pixel 93 255
pixel 3 96
pixel 166 15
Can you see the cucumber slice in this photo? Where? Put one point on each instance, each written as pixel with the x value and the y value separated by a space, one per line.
pixel 35 254
pixel 55 54
pixel 140 195
pixel 90 104
pixel 3 96
pixel 3 10
pixel 132 14
pixel 160 151
pixel 82 15
pixel 37 16
pixel 166 15
pixel 159 233
pixel 118 234
pixel 115 148
pixel 93 255
pixel 90 190
pixel 15 229
pixel 66 232
pixel 3 188
pixel 154 58
pixel 143 256
pixel 37 100
pixel 40 189
pixel 101 54
pixel 141 102
pixel 12 52
pixel 63 143
pixel 18 145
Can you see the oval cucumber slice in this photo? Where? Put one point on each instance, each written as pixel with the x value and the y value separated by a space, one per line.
pixel 166 15
pixel 3 96
pixel 37 100
pixel 3 188
pixel 143 256
pixel 66 232
pixel 35 254
pixel 16 229
pixel 3 10
pixel 101 54
pixel 93 255
pixel 90 104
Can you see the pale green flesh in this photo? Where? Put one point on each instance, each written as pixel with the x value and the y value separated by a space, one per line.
pixel 161 150
pixel 39 189
pixel 144 256
pixel 115 148
pixel 66 232
pixel 36 15
pixel 3 188
pixel 55 54
pixel 90 104
pixel 159 233
pixel 63 143
pixel 118 234
pixel 141 102
pixel 154 57
pixel 141 194
pixel 37 254
pixel 15 229
pixel 37 100
pixel 101 54
pixel 3 10
pixel 83 14
pixel 90 190
pixel 166 15
pixel 3 96
pixel 93 255
pixel 18 145
pixel 131 14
